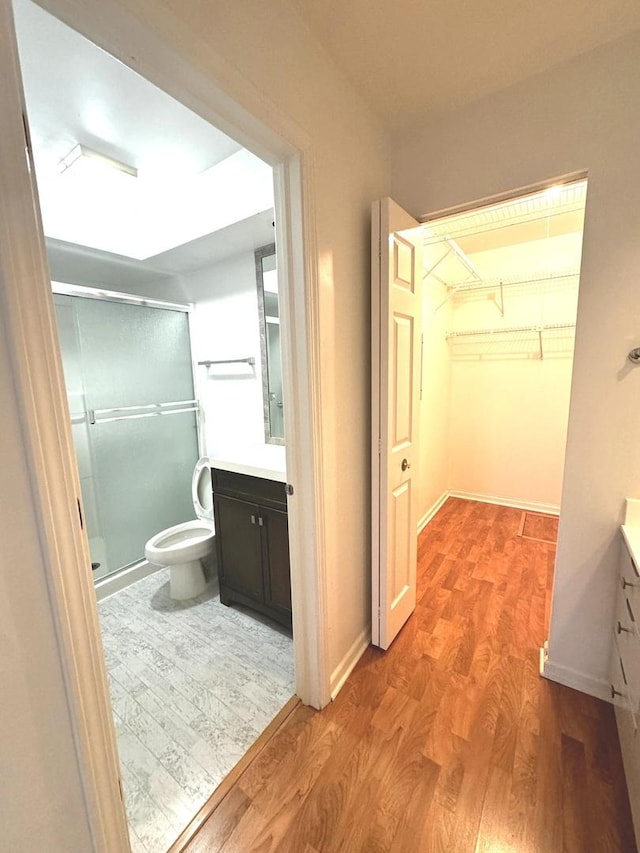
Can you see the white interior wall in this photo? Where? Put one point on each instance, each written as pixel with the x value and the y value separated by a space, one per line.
pixel 584 115
pixel 225 324
pixel 509 411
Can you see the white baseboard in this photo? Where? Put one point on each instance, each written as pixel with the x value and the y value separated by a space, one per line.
pixel 346 665
pixel 433 509
pixel 532 506
pixel 597 687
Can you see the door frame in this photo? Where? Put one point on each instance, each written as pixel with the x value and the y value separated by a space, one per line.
pixel 226 99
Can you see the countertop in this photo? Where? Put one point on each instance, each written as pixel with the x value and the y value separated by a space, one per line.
pixel 259 460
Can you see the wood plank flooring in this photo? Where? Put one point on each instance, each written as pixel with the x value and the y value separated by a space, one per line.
pixel 450 741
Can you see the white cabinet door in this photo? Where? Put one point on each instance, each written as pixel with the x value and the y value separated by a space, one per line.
pixel 396 298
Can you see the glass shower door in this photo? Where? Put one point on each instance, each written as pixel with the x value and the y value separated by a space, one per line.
pixel 132 402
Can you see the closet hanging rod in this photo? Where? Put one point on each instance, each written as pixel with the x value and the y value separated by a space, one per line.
pixel 208 362
pixel 552 327
pixel 491 285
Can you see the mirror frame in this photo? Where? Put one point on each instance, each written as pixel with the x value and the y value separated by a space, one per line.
pixel 260 254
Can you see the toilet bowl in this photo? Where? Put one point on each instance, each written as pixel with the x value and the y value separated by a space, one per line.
pixel 183 546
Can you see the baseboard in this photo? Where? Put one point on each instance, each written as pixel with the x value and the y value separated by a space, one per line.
pixel 346 665
pixel 426 518
pixel 532 506
pixel 597 687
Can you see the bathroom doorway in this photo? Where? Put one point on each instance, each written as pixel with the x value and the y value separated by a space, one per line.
pixel 304 486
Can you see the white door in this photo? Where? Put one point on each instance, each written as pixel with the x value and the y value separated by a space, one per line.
pixel 396 328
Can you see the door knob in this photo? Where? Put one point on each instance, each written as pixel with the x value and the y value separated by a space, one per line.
pixel 405 464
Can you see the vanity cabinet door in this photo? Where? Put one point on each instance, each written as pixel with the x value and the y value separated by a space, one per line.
pixel 238 542
pixel 275 537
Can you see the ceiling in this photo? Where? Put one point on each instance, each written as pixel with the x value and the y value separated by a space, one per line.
pixel 73 264
pixel 410 57
pixel 192 179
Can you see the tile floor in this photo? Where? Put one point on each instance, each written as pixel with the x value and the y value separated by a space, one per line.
pixel 192 686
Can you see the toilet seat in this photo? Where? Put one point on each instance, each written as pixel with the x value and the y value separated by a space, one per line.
pixel 179 544
pixel 201 489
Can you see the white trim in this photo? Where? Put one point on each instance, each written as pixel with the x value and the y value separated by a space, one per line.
pixel 433 509
pixel 348 662
pixel 301 381
pixel 597 687
pixel 376 426
pixel 516 503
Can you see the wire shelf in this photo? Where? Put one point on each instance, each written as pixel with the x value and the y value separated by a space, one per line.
pixel 529 342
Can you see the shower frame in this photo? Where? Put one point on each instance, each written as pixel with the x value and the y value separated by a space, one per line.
pixel 127 574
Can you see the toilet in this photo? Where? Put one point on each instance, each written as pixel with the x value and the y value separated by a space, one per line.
pixel 183 546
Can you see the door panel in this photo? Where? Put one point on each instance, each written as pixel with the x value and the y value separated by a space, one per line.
pixel 276 558
pixel 397 271
pixel 240 551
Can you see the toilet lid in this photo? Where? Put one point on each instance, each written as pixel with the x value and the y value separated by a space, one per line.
pixel 201 489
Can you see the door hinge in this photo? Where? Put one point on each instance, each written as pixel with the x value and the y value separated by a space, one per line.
pixel 288 489
pixel 379 446
pixel 80 514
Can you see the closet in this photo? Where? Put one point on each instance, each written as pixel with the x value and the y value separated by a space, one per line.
pixel 500 293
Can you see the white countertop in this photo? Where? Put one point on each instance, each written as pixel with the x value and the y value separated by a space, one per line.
pixel 259 460
pixel 631 529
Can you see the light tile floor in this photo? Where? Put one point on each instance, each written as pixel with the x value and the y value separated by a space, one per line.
pixel 192 686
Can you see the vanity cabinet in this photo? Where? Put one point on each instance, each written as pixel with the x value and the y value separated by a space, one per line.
pixel 252 543
pixel 625 674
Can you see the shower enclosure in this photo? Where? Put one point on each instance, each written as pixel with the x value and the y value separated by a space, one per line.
pixel 129 378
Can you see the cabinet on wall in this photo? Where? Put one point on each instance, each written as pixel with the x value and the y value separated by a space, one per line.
pixel 252 543
pixel 625 674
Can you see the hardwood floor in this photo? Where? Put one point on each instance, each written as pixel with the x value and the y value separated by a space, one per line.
pixel 450 741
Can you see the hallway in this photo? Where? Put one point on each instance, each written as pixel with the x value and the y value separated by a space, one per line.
pixel 450 741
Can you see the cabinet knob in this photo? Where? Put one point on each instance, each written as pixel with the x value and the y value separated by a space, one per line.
pixel 405 464
pixel 260 521
pixel 615 692
pixel 625 584
pixel 621 628
pixel 253 519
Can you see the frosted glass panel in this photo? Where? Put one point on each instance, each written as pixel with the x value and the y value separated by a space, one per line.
pixel 135 473
pixel 133 355
pixel 143 475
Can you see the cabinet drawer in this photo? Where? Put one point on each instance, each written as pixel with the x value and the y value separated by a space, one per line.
pixel 247 488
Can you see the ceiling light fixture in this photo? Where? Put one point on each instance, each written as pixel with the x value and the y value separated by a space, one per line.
pixel 80 152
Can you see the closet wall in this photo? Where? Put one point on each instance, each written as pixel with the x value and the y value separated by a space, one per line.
pixel 499 336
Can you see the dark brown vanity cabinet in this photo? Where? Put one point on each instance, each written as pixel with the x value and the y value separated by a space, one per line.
pixel 252 543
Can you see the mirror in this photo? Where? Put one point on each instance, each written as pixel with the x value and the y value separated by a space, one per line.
pixel 268 309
